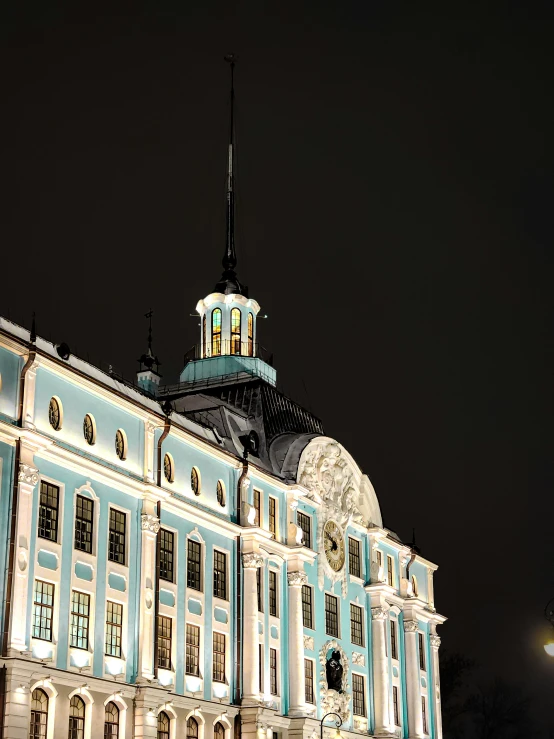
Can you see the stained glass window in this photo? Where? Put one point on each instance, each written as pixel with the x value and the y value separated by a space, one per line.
pixel 216 332
pixel 235 331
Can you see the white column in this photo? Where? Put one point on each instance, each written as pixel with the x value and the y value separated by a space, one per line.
pixel 297 696
pixel 250 645
pixel 435 693
pixel 413 680
pixel 379 618
pixel 27 479
pixel 150 526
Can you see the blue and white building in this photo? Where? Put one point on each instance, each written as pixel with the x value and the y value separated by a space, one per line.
pixel 197 560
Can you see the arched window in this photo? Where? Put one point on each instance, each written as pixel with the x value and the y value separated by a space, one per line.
pixel 192 728
pixel 111 721
pixel 216 332
pixel 250 335
pixel 39 714
pixel 163 725
pixel 76 718
pixel 235 331
pixel 204 347
pixel 414 586
pixel 219 731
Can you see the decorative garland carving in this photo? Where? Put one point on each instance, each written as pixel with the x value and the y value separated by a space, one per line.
pixel 308 642
pixel 150 522
pixel 331 700
pixel 252 560
pixel 295 579
pixel 28 474
pixel 358 658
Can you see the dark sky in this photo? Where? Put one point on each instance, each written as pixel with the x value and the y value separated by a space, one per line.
pixel 396 184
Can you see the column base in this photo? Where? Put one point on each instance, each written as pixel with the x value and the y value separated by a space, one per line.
pixel 250 700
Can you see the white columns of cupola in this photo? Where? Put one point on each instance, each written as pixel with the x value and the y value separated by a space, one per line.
pixel 250 648
pixel 227 326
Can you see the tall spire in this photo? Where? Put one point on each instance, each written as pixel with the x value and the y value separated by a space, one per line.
pixel 148 360
pixel 229 282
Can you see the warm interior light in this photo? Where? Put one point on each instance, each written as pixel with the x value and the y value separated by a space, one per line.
pixel 549 648
pixel 337 735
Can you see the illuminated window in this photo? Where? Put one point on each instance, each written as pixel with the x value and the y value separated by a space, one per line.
pixel 250 335
pixel 390 571
pixel 89 429
pixel 43 607
pixel 216 332
pixel 192 728
pixel 39 714
pixel 219 731
pixel 76 718
pixel 164 642
pixel 55 413
pixel 204 335
pixel 272 515
pixel 114 621
pixel 218 673
pixel 79 627
pixel 235 331
pixel 111 721
pixel 163 726
pixel 192 653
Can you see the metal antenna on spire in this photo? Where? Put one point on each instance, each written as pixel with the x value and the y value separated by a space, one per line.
pixel 149 315
pixel 148 360
pixel 229 258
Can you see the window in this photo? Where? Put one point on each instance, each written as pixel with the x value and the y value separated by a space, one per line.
pixel 261 656
pixel 307 609
pixel 194 572
pixel 235 331
pixel 250 335
pixel 114 622
pixel 220 493
pixel 421 641
pixel 390 571
pixel 55 413
pixel 414 587
pixel 216 332
pixel 356 625
pixel 393 639
pixel 163 725
pixel 204 352
pixel 89 429
pixel 272 515
pixel 48 511
pixel 121 444
pixel 218 674
pixel 220 575
pixel 305 523
pixel 169 468
pixel 395 705
pixel 272 593
pixel 195 480
pixel 309 681
pixel 111 721
pixel 43 607
pixel 331 615
pixel 117 534
pixel 273 671
pixel 358 694
pixel 257 507
pixel 80 610
pixel 39 714
pixel 84 517
pixel 354 564
pixel 424 714
pixel 164 642
pixel 380 563
pixel 76 718
pixel 219 731
pixel 192 728
pixel 165 543
pixel 259 589
pixel 192 661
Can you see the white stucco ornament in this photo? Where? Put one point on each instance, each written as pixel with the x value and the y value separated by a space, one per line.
pixel 150 523
pixel 252 560
pixel 28 474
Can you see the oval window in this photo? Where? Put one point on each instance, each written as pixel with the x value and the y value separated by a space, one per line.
pixel 220 493
pixel 121 444
pixel 89 429
pixel 169 470
pixel 55 414
pixel 195 481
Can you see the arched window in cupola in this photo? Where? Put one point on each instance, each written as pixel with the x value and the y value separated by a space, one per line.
pixel 216 332
pixel 250 335
pixel 235 331
pixel 204 347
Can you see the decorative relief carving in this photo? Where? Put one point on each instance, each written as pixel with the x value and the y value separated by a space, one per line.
pixel 380 613
pixel 150 523
pixel 28 474
pixel 435 640
pixel 308 642
pixel 252 560
pixel 332 700
pixel 358 658
pixel 297 578
pixel 410 626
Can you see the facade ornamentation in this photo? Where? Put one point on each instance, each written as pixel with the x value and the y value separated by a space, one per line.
pixel 295 579
pixel 308 642
pixel 380 613
pixel 435 641
pixel 28 474
pixel 410 626
pixel 358 659
pixel 150 523
pixel 332 700
pixel 252 560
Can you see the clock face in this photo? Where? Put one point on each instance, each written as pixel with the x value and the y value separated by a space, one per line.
pixel 333 543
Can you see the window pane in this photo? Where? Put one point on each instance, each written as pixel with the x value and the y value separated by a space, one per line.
pixel 272 593
pixel 164 642
pixel 114 621
pixel 165 539
pixel 220 575
pixel 273 671
pixel 84 515
pixel 80 608
pixel 305 523
pixel 356 625
pixel 358 694
pixel 309 680
pixel 117 533
pixel 43 606
pixel 192 657
pixel 48 511
pixel 194 553
pixel 331 615
pixel 354 557
pixel 307 611
pixel 219 657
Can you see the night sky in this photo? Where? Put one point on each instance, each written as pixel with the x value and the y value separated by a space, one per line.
pixel 395 189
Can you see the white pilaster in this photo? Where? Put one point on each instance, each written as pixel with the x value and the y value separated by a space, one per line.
pixel 297 698
pixel 29 397
pixel 435 694
pixel 250 649
pixel 150 524
pixel 149 451
pixel 413 680
pixel 379 618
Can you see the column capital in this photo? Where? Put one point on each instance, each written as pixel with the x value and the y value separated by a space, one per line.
pixel 252 560
pixel 28 474
pixel 296 579
pixel 411 626
pixel 380 613
pixel 149 522
pixel 435 641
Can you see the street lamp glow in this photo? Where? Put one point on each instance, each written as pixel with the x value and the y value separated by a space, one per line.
pixel 549 648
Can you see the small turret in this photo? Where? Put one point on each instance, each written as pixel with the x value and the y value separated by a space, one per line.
pixel 148 376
